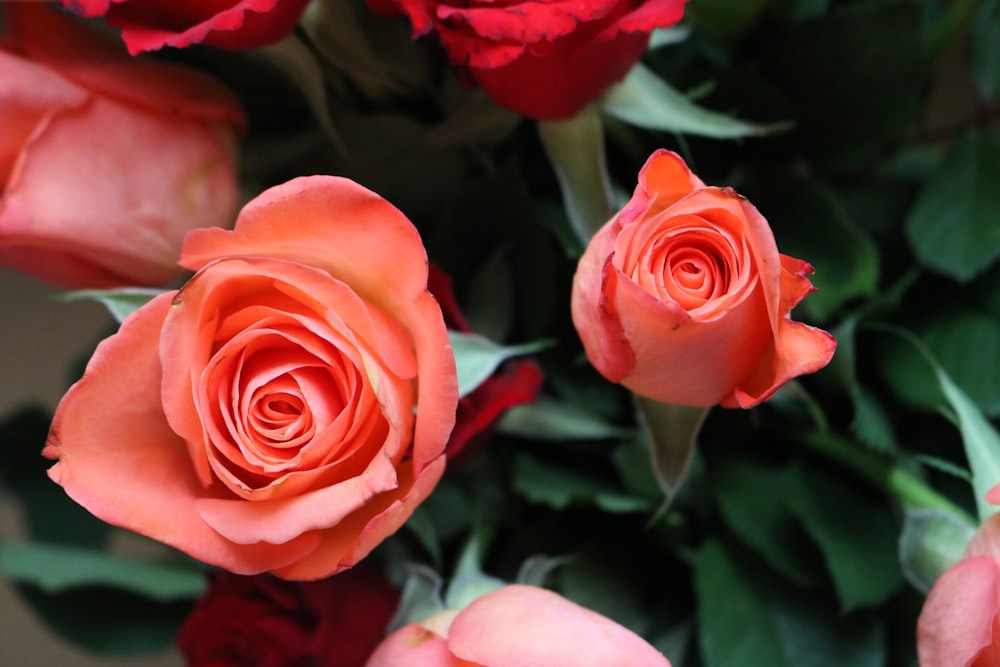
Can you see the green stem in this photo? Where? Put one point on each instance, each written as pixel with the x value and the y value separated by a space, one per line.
pixel 575 147
pixel 955 20
pixel 905 488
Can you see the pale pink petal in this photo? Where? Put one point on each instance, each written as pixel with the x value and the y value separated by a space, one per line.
pixel 957 622
pixel 61 186
pixel 525 626
pixel 413 646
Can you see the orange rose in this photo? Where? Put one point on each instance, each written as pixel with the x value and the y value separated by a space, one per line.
pixel 285 410
pixel 683 298
pixel 517 626
pixel 106 161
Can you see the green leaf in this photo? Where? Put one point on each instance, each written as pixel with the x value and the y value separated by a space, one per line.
pixel 727 20
pixel 56 568
pixel 561 487
pixel 108 621
pixel 338 32
pixel 575 148
pixel 982 444
pixel 489 299
pixel 965 344
pixel 477 357
pixel 469 581
pixel 953 224
pixel 764 520
pixel 736 630
pixel 121 302
pixel 984 55
pixel 981 441
pixel 420 599
pixel 606 588
pixel 296 61
pixel 855 535
pixel 549 419
pixel 932 541
pixel 645 100
pixel 50 515
pixel 748 619
pixel 536 570
pixel 661 37
pixel 810 222
pixel 672 432
pixel 421 525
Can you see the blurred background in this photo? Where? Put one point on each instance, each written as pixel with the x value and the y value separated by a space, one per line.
pixel 41 342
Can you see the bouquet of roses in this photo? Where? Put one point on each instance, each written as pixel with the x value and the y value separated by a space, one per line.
pixel 461 333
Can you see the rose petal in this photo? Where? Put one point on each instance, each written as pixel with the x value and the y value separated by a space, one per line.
pixel 280 521
pixel 379 344
pixel 102 66
pixel 529 626
pixel 230 24
pixel 414 646
pixel 139 234
pixel 373 248
pixel 663 180
pixel 31 93
pixel 365 529
pixel 119 458
pixel 960 613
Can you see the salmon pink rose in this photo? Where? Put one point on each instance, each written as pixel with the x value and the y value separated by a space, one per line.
pixel 148 25
pixel 106 161
pixel 541 58
pixel 959 625
pixel 682 296
pixel 517 626
pixel 288 407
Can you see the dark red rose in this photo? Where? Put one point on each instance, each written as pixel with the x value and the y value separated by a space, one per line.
pixel 541 58
pixel 516 381
pixel 268 622
pixel 148 25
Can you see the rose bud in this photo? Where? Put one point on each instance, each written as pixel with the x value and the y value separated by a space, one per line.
pixel 682 296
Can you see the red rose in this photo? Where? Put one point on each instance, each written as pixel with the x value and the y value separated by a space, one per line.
pixel 106 161
pixel 148 25
pixel 541 59
pixel 516 382
pixel 261 620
